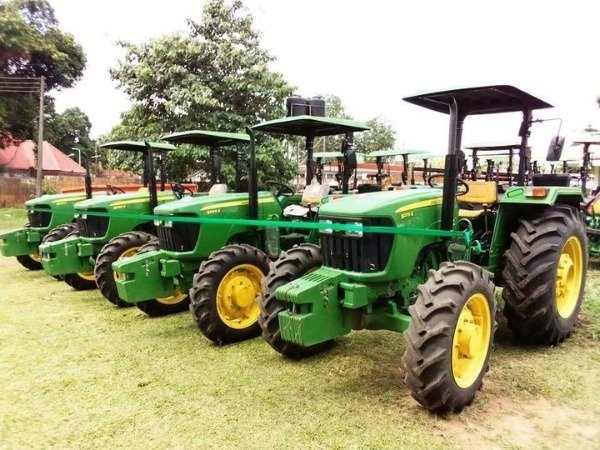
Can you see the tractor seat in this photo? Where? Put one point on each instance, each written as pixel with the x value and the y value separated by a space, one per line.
pixel 311 199
pixel 481 194
pixel 218 189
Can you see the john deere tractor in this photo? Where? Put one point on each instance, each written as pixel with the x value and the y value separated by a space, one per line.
pixel 419 261
pixel 48 214
pixel 73 257
pixel 219 261
pixel 591 207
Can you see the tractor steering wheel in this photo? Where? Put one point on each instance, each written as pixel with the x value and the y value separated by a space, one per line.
pixel 278 189
pixel 179 190
pixel 460 181
pixel 111 189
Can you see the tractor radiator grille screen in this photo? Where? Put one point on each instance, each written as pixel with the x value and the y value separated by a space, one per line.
pixel 92 227
pixel 180 237
pixel 368 252
pixel 39 219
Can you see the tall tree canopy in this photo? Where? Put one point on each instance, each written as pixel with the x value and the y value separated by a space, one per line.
pixel 70 129
pixel 214 76
pixel 32 45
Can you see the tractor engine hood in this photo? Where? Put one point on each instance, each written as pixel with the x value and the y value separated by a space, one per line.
pixel 394 204
pixel 119 201
pixel 55 199
pixel 210 204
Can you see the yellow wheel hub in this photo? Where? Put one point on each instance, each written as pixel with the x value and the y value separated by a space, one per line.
pixel 177 297
pixel 126 254
pixel 236 296
pixel 89 276
pixel 569 275
pixel 36 257
pixel 471 340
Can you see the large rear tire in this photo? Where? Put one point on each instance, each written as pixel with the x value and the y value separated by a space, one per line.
pixel 122 246
pixel 450 336
pixel 58 234
pixel 224 295
pixel 544 275
pixel 158 307
pixel 83 281
pixel 291 265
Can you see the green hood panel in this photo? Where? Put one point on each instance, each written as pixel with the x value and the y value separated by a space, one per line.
pixel 56 199
pixel 116 202
pixel 387 203
pixel 211 204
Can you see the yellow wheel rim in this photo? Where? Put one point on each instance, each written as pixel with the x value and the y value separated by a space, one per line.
pixel 126 254
pixel 89 276
pixel 471 340
pixel 36 257
pixel 236 296
pixel 569 276
pixel 177 297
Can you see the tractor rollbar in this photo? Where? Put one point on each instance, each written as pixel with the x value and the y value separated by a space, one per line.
pixel 451 173
pixel 163 170
pixel 88 176
pixel 213 164
pixel 238 167
pixel 252 178
pixel 524 132
pixel 310 143
pixel 149 154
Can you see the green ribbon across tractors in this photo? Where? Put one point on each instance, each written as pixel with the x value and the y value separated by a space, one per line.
pixel 466 235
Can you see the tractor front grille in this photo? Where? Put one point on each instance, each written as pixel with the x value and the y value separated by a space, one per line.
pixel 92 226
pixel 179 237
pixel 355 253
pixel 39 219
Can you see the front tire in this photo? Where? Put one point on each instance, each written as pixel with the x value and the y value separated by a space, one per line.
pixel 30 262
pixel 224 295
pixel 159 307
pixel 450 336
pixel 544 276
pixel 293 264
pixel 123 246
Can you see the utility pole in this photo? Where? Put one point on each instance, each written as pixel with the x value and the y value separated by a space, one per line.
pixel 40 152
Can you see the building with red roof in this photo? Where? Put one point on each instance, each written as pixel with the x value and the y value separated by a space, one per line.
pixel 18 158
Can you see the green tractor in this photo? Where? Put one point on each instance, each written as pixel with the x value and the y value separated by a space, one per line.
pixel 48 214
pixel 432 270
pixel 72 257
pixel 591 207
pixel 222 264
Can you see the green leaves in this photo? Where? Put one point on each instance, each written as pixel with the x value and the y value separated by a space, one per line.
pixel 216 76
pixel 31 45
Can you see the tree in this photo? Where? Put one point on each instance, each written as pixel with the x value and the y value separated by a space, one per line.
pixel 381 136
pixel 70 129
pixel 216 76
pixel 31 45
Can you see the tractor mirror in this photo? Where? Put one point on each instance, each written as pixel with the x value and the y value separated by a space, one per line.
pixel 555 149
pixel 351 160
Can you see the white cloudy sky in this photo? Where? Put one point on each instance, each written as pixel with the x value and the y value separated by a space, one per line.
pixel 374 53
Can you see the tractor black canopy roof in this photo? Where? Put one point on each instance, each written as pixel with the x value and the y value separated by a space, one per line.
pixel 311 125
pixel 480 100
pixel 136 146
pixel 208 138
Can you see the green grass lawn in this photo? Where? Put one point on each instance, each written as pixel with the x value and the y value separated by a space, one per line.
pixel 77 372
pixel 12 218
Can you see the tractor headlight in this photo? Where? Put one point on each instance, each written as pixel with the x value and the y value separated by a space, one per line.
pixel 84 216
pixel 157 223
pixel 355 233
pixel 168 223
pixel 326 230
